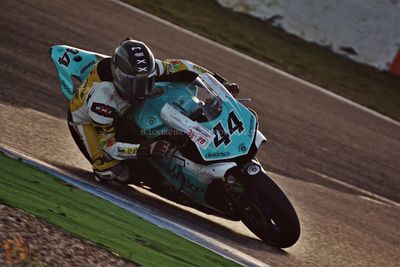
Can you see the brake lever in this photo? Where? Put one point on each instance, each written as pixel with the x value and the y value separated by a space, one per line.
pixel 243 99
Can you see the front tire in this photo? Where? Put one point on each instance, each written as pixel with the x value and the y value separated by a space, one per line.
pixel 268 212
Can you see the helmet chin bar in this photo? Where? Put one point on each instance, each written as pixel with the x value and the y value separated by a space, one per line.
pixel 124 95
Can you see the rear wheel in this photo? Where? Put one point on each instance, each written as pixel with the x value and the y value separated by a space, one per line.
pixel 268 213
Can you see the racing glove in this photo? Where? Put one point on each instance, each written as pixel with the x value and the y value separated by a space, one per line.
pixel 157 149
pixel 233 88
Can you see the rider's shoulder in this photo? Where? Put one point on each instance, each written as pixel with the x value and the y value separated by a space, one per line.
pixel 102 71
pixel 107 87
pixel 102 92
pixel 103 68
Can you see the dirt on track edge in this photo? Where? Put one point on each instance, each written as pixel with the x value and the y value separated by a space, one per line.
pixel 26 240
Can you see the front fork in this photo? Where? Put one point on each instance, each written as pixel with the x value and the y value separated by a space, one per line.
pixel 237 189
pixel 237 177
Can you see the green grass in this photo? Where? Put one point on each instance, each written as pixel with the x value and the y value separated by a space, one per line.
pixel 97 220
pixel 365 85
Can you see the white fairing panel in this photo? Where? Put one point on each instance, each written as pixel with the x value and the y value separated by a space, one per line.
pixel 260 139
pixel 196 132
pixel 175 119
pixel 205 173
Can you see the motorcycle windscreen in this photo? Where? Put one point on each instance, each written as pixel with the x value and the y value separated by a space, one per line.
pixel 233 125
pixel 208 105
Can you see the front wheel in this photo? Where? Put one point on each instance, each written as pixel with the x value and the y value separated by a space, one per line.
pixel 267 212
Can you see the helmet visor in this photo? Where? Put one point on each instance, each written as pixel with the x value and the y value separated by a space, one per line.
pixel 134 87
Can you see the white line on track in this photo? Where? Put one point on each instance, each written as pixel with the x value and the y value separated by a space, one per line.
pixel 363 193
pixel 140 210
pixel 287 75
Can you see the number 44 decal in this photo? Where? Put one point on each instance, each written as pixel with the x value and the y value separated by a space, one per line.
pixel 64 59
pixel 223 137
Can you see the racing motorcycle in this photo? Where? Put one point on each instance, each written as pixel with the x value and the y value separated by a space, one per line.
pixel 216 140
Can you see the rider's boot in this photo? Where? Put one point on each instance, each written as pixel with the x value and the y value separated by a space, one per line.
pixel 107 169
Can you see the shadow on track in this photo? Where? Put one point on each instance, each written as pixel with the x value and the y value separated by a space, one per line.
pixel 180 214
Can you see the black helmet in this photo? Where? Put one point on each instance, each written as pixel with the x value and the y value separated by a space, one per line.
pixel 134 70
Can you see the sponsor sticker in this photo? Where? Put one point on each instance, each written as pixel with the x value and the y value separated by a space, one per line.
pixel 250 133
pixel 192 187
pixel 230 179
pixel 110 142
pixel 218 154
pixel 253 169
pixel 170 68
pixel 103 110
pixel 200 136
pixel 242 147
pixel 151 120
pixel 87 66
pixel 66 88
pixel 199 68
pixel 127 150
pixel 174 66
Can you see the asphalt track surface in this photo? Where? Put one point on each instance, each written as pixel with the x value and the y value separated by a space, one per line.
pixel 338 164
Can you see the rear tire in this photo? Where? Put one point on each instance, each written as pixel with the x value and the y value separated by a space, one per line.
pixel 269 214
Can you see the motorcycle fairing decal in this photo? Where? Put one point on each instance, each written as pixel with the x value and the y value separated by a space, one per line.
pixel 196 132
pixel 200 136
pixel 189 177
pixel 72 62
pixel 103 110
pixel 222 137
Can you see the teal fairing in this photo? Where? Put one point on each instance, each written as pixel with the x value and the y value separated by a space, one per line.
pixel 72 62
pixel 233 126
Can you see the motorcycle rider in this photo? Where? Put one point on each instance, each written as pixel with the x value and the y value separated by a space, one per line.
pixel 115 84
